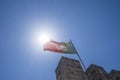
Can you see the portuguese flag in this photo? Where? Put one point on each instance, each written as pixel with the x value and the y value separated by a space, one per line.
pixel 60 47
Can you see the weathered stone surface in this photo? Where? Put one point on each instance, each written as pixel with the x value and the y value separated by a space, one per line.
pixel 114 75
pixel 95 72
pixel 71 69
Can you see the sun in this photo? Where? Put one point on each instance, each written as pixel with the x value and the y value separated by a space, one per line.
pixel 40 38
pixel 44 37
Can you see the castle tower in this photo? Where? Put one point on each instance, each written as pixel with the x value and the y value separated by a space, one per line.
pixel 114 75
pixel 69 69
pixel 95 72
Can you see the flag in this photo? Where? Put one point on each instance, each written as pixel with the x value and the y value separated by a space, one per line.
pixel 60 47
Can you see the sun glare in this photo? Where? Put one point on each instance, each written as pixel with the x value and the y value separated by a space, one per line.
pixel 44 38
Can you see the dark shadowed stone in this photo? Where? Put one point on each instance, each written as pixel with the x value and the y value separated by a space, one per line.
pixel 71 69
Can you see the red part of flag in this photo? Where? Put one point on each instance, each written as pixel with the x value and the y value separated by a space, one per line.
pixel 53 46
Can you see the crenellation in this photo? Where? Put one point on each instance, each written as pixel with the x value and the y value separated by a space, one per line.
pixel 71 69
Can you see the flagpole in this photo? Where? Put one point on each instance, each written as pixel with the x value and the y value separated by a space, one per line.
pixel 84 68
pixel 79 57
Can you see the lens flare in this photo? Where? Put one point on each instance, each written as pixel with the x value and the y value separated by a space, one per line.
pixel 44 38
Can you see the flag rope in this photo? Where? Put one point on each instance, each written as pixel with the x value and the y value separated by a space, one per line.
pixel 79 57
pixel 81 61
pixel 84 68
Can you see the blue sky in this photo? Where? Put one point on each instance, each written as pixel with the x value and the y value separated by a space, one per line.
pixel 93 26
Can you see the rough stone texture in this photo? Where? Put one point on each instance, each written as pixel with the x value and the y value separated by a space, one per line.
pixel 70 69
pixel 114 75
pixel 95 72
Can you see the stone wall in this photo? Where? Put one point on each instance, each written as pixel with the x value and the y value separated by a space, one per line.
pixel 95 72
pixel 70 69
